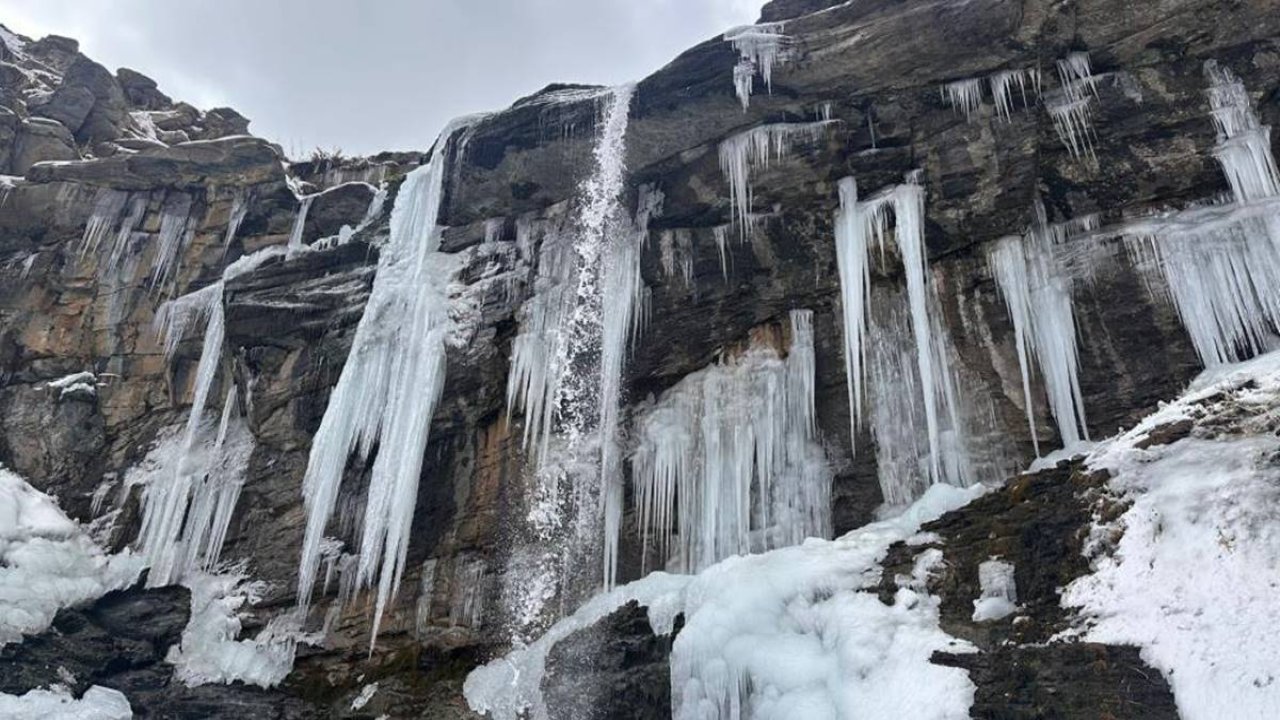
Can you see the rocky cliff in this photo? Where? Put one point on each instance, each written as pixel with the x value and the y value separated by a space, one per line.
pixel 116 200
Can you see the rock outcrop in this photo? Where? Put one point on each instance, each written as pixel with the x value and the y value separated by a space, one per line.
pixel 88 148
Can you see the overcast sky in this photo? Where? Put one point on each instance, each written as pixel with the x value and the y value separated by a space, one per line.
pixel 369 75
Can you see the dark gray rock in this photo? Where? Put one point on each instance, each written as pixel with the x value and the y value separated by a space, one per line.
pixel 41 140
pixel 239 160
pixel 143 92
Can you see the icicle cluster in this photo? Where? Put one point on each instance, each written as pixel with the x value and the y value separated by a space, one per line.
pixel 726 461
pixel 760 49
pixel 861 227
pixel 1221 264
pixel 1037 292
pixel 966 95
pixel 118 215
pixel 1073 113
pixel 388 391
pixel 757 148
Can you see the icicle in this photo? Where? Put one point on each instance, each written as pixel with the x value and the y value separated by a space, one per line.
pixel 239 209
pixel 176 231
pixel 757 148
pixel 760 49
pixel 1073 114
pixel 1002 83
pixel 860 226
pixel 300 223
pixel 387 392
pixel 721 235
pixel 1037 292
pixel 734 445
pixel 963 95
pixel 107 206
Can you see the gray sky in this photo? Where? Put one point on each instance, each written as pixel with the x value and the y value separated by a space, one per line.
pixel 369 75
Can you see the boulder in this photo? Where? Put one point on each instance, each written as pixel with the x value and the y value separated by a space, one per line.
pixel 229 161
pixel 224 122
pixel 142 92
pixel 41 140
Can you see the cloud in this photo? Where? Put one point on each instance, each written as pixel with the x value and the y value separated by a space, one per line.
pixel 335 73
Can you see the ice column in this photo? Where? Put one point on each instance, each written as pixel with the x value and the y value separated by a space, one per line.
pixel 388 390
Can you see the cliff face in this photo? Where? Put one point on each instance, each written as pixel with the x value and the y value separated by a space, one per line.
pixel 178 195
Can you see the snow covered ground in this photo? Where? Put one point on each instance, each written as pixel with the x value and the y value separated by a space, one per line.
pixel 1195 579
pixel 797 632
pixel 47 561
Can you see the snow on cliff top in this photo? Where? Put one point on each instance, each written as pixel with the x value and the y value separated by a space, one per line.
pixel 1194 580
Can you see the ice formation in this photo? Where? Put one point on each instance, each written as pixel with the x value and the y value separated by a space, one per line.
pixel 193 480
pixel 1002 83
pixel 760 49
pixel 57 703
pixel 1192 579
pixel 796 632
pixel 566 374
pixel 177 228
pixel 999 597
pixel 1073 113
pixel 757 148
pixel 733 447
pixel 861 227
pixel 388 390
pixel 963 95
pixel 47 562
pixel 1037 292
pixel 300 223
pixel 209 651
pixel 1221 263
pixel 239 210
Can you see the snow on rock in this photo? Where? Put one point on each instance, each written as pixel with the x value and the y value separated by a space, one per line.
pixel 797 632
pixel 1193 579
pixel 366 694
pixel 56 703
pixel 81 382
pixel 47 562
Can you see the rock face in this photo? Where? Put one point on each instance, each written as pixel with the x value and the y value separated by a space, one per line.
pixel 71 303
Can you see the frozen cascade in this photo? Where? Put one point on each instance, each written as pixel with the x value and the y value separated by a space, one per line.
pixel 189 501
pixel 816 605
pixel 1221 263
pixel 734 447
pixel 566 375
pixel 388 390
pixel 757 148
pixel 1037 292
pixel 760 49
pixel 862 226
